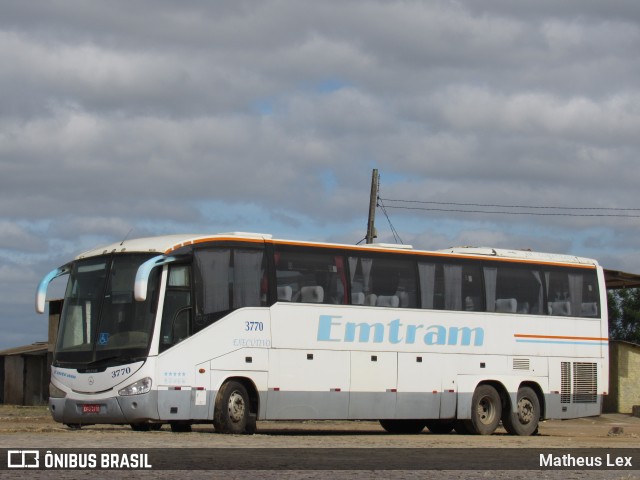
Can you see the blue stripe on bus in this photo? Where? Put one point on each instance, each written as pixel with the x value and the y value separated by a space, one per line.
pixel 562 342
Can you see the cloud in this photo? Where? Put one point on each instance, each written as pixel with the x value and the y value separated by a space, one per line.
pixel 269 116
pixel 18 238
pixel 609 121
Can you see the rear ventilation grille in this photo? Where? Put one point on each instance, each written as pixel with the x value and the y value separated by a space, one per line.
pixel 565 381
pixel 585 382
pixel 579 382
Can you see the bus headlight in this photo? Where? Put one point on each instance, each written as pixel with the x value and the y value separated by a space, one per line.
pixel 55 392
pixel 137 388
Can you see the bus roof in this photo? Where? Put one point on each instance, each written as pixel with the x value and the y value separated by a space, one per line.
pixel 521 255
pixel 166 244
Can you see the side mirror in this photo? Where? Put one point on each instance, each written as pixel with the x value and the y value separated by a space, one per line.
pixel 41 292
pixel 143 273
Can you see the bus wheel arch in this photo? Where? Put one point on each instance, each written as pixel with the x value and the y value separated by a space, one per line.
pixel 236 406
pixel 523 417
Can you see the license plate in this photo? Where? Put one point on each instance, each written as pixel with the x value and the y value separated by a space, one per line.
pixel 90 408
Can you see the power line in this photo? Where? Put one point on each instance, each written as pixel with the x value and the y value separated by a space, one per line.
pixel 539 207
pixel 457 210
pixel 502 212
pixel 396 235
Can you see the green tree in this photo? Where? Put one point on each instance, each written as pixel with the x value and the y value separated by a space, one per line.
pixel 624 314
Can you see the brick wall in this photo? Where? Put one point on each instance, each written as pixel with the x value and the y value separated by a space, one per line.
pixel 624 377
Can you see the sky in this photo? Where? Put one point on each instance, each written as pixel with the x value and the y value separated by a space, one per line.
pixel 122 118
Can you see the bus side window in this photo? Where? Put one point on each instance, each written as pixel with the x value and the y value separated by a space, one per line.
pixel 590 296
pixel 228 279
pixel 383 282
pixel 572 293
pixel 510 289
pixel 462 287
pixel 559 299
pixel 472 288
pixel 177 311
pixel 308 277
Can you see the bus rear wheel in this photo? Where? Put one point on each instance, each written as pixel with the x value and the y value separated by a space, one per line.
pixel 486 409
pixel 440 426
pixel 403 426
pixel 463 427
pixel 523 419
pixel 232 406
pixel 146 427
pixel 140 427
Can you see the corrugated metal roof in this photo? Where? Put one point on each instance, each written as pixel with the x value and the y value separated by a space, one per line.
pixel 625 342
pixel 33 349
pixel 615 279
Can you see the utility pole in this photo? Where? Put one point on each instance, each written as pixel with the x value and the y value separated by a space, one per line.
pixel 373 201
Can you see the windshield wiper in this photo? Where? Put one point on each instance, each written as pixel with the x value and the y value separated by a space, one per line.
pixel 121 358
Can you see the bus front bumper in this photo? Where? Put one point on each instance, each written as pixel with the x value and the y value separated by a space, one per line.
pixel 114 410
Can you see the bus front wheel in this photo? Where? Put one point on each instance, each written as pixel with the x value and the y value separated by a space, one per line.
pixel 523 419
pixel 232 413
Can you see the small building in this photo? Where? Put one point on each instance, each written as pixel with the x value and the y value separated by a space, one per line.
pixel 25 371
pixel 624 377
pixel 25 375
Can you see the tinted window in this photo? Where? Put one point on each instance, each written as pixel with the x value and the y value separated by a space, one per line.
pixel 383 282
pixel 177 312
pixel 572 293
pixel 310 277
pixel 227 279
pixel 536 290
pixel 513 289
pixel 448 286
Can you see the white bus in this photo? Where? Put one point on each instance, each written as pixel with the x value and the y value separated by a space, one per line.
pixel 234 328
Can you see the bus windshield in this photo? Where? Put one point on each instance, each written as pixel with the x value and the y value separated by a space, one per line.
pixel 101 323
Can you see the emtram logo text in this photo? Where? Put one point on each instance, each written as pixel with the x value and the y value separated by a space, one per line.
pixel 331 328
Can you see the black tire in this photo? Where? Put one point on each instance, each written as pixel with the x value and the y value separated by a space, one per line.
pixel 232 410
pixel 179 427
pixel 140 427
pixel 73 426
pixel 146 427
pixel 486 410
pixel 403 426
pixel 464 427
pixel 522 419
pixel 440 427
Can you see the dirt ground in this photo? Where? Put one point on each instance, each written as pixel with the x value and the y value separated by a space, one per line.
pixel 32 427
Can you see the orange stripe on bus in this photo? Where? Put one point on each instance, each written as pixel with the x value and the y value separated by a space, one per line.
pixel 380 250
pixel 216 239
pixel 431 254
pixel 558 337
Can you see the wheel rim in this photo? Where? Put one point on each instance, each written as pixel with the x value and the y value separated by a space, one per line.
pixel 525 410
pixel 486 410
pixel 236 407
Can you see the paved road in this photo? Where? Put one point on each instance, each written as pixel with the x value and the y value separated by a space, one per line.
pixel 26 429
